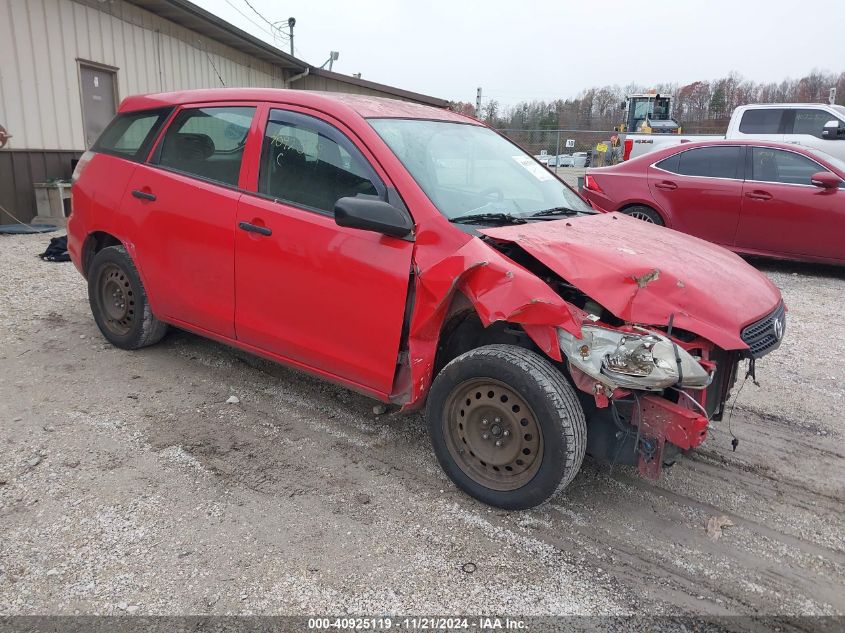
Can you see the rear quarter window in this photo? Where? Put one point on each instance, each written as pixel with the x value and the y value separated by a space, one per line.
pixel 669 164
pixel 131 134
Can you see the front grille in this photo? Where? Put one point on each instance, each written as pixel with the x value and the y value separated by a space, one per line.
pixel 766 334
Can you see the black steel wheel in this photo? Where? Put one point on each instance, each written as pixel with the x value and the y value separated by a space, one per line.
pixel 119 302
pixel 506 426
pixel 493 434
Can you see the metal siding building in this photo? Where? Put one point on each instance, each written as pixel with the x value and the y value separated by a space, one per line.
pixel 141 46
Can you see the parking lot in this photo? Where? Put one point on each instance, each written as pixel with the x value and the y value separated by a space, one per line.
pixel 130 484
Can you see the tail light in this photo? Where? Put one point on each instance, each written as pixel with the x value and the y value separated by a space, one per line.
pixel 80 166
pixel 591 184
pixel 628 146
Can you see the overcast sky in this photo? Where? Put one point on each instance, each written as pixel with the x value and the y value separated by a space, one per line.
pixel 544 50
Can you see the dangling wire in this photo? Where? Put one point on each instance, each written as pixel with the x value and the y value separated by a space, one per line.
pixel 750 372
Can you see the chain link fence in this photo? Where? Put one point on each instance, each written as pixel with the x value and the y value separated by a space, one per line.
pixel 568 148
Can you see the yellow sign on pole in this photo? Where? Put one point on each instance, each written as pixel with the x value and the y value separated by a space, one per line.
pixel 601 147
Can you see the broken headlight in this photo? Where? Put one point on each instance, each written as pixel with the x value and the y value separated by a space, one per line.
pixel 634 360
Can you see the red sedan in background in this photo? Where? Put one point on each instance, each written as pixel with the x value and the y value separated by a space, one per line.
pixel 757 198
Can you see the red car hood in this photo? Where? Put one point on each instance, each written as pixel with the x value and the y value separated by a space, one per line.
pixel 644 274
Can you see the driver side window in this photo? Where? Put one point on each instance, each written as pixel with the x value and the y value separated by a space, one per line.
pixel 309 163
pixel 775 165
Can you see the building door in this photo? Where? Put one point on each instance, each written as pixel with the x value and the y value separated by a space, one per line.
pixel 99 100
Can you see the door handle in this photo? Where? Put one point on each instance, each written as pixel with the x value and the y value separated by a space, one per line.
pixel 143 195
pixel 758 195
pixel 254 228
pixel 668 185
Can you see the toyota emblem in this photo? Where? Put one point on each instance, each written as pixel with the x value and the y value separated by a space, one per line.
pixel 777 326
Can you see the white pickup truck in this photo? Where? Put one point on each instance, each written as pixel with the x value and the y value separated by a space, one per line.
pixel 814 125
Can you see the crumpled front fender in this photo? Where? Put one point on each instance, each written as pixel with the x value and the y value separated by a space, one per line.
pixel 499 290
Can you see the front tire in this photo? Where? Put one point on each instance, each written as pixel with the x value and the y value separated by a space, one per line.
pixel 506 426
pixel 119 302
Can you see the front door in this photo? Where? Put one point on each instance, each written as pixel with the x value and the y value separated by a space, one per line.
pixel 783 213
pixel 328 298
pixel 99 100
pixel 184 205
pixel 805 126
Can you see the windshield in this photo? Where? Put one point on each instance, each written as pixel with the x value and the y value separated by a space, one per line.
pixel 833 160
pixel 652 108
pixel 469 169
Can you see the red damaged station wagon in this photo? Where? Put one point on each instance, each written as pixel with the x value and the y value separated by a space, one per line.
pixel 417 256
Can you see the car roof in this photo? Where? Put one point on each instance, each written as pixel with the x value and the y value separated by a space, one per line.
pixel 330 102
pixel 673 149
pixel 660 154
pixel 758 106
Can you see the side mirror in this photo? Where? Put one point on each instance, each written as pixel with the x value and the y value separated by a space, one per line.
pixel 833 130
pixel 370 214
pixel 825 180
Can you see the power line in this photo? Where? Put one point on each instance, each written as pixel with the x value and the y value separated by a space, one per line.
pixel 263 28
pixel 273 25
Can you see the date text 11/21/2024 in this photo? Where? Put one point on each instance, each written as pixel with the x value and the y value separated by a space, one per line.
pixel 424 623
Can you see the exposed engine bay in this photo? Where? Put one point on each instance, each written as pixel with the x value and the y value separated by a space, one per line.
pixel 632 419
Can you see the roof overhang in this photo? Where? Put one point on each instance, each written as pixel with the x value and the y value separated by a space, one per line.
pixel 197 19
pixel 372 85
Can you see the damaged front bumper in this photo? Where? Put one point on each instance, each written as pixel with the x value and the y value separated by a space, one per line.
pixel 651 393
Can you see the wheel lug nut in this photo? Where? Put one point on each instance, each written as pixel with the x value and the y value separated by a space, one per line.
pixel 498 442
pixel 485 436
pixel 498 420
pixel 506 433
pixel 484 422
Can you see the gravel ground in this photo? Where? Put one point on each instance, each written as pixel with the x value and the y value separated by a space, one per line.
pixel 129 485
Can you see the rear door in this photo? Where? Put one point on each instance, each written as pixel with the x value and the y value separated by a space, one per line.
pixel 183 203
pixel 762 124
pixel 701 188
pixel 783 213
pixel 325 297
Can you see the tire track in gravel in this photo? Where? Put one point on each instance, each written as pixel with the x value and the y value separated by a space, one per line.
pixel 667 560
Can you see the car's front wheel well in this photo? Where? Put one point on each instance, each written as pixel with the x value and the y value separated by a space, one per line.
pixel 463 331
pixel 94 243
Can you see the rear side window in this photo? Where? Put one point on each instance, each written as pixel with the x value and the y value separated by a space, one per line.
pixel 774 165
pixel 811 122
pixel 709 162
pixel 762 121
pixel 670 164
pixel 131 134
pixel 307 162
pixel 207 142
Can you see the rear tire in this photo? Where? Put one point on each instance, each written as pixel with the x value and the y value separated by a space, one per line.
pixel 644 213
pixel 119 302
pixel 506 426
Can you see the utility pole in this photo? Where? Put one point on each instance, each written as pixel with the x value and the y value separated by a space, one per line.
pixel 291 24
pixel 478 103
pixel 832 98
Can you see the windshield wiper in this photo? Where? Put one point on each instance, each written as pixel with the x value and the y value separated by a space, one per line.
pixel 482 217
pixel 555 211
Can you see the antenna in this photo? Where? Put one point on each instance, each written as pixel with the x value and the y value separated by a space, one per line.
pixel 332 58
